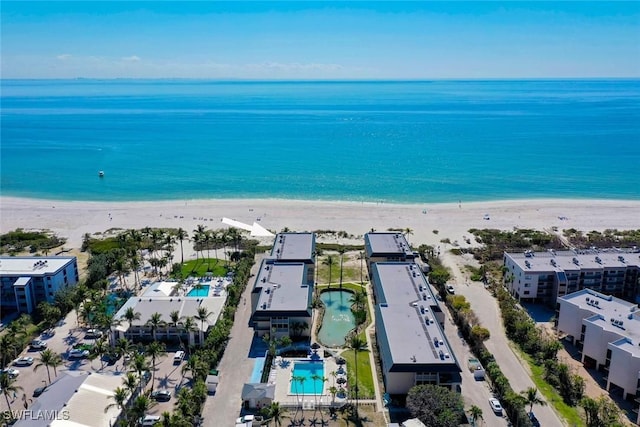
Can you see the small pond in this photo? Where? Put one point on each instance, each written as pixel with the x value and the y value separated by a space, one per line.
pixel 338 319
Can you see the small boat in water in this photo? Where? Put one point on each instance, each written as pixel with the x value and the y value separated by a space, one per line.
pixel 101 174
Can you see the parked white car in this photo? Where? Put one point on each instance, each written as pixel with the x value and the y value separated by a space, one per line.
pixel 11 372
pixel 496 406
pixel 23 361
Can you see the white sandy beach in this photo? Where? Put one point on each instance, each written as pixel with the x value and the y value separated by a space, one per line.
pixel 73 219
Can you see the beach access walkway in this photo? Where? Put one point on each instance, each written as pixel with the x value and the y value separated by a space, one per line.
pixel 236 366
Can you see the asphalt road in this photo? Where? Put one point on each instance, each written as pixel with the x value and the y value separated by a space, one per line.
pixel 474 392
pixel 222 408
pixel 486 308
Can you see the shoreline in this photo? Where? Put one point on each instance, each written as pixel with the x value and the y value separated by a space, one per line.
pixel 429 222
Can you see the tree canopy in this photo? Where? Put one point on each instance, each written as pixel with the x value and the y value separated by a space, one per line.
pixel 435 406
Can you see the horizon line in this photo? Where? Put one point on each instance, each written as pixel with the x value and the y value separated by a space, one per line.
pixel 233 79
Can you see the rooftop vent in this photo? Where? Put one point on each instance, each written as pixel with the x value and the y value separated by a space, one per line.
pixel 527 263
pixel 620 258
pixel 553 262
pixel 414 304
pixel 598 260
pixel 575 261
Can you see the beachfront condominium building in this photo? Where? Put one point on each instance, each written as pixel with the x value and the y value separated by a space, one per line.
pixel 546 276
pixel 26 281
pixel 282 295
pixel 282 299
pixel 606 330
pixel 141 330
pixel 387 246
pixel 410 330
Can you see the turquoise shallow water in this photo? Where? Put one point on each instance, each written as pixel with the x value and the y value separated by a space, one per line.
pixel 432 141
pixel 338 319
pixel 307 370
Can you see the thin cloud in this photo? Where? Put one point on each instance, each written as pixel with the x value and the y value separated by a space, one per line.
pixel 63 56
pixel 132 58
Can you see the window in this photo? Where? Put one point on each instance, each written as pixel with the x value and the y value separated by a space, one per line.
pixel 280 323
pixel 423 378
pixel 526 292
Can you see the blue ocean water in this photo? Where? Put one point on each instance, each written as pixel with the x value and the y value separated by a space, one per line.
pixel 429 141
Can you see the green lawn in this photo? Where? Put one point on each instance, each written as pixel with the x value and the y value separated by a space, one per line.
pixel 551 396
pixel 365 377
pixel 349 273
pixel 200 267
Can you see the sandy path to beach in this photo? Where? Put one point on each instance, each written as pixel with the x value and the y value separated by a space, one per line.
pixel 73 219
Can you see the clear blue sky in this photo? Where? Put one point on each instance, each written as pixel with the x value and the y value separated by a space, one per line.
pixel 320 40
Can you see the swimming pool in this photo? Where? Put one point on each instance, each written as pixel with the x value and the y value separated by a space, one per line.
pixel 203 291
pixel 338 319
pixel 307 370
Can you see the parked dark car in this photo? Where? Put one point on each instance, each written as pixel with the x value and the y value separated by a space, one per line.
pixel 161 395
pixel 37 392
pixel 534 420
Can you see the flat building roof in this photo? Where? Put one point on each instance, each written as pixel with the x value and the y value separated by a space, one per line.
pixel 386 244
pixel 32 266
pixel 405 302
pixel 293 246
pixel 283 286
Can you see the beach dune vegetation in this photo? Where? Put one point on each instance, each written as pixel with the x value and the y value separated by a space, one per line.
pixel 20 240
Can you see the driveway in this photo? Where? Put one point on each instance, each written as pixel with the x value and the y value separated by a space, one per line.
pixel 222 408
pixel 486 308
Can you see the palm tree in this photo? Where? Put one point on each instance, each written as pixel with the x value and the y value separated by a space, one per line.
pixel 8 387
pixel 333 390
pixel 57 361
pixel 141 405
pixel 139 365
pixel 202 315
pixel 295 379
pixel 189 326
pixel 99 350
pixel 316 255
pixel 130 382
pixel 315 377
pixel 329 262
pixel 181 235
pixel 531 397
pixel 358 299
pixel 124 347
pixel 407 232
pixel 9 348
pixel 341 251
pixel 199 237
pixel 120 397
pixel 47 358
pixel 275 413
pixel 154 322
pixel 357 344
pixel 476 414
pixel 155 350
pixel 174 320
pixel 130 315
pixel 361 257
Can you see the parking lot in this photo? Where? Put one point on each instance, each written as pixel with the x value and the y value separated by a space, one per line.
pixel 167 375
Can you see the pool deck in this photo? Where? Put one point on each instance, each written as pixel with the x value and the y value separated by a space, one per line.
pixel 281 373
pixel 217 286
